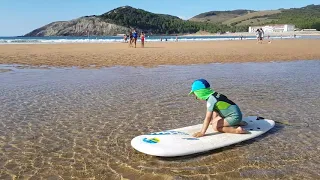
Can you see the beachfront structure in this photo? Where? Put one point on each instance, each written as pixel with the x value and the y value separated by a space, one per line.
pixel 308 29
pixel 273 28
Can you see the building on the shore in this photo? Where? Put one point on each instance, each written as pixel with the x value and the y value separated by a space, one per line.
pixel 308 29
pixel 273 28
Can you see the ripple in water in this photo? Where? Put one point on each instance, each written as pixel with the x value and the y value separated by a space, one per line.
pixel 72 123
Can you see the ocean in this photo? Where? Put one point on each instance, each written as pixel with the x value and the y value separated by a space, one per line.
pixel 119 39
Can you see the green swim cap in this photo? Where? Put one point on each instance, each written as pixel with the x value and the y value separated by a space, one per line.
pixel 203 94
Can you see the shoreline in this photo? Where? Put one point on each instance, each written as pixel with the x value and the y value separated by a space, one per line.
pixel 151 39
pixel 97 55
pixel 11 67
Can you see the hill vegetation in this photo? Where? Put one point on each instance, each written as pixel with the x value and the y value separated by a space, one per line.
pixel 304 18
pixel 160 23
pixel 219 16
pixel 307 17
pixel 251 17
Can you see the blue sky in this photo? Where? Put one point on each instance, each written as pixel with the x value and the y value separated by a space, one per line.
pixel 19 17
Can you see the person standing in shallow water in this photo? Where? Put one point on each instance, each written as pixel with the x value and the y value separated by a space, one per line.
pixel 224 115
pixel 258 34
pixel 262 35
pixel 142 36
pixel 125 38
pixel 135 37
pixel 130 39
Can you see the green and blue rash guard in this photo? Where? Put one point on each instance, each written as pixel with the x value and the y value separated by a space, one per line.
pixel 221 104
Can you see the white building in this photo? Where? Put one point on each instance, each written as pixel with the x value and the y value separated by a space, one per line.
pixel 273 28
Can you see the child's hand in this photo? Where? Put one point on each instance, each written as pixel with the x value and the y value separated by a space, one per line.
pixel 198 134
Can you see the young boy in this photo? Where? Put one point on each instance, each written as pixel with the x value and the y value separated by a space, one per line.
pixel 224 115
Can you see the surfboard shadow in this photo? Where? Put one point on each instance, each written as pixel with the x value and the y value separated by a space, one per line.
pixel 276 129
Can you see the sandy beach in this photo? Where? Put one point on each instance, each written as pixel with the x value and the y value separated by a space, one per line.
pixel 154 54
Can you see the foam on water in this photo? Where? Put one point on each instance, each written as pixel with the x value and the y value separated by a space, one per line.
pixel 78 123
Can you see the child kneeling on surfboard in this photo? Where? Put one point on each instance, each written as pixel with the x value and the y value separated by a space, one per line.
pixel 224 115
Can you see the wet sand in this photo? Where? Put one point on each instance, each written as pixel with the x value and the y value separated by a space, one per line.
pixel 154 54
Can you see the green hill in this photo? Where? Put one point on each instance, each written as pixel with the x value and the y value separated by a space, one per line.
pixel 251 17
pixel 305 17
pixel 129 16
pixel 157 23
pixel 219 16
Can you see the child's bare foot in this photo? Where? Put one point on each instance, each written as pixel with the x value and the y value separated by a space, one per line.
pixel 241 130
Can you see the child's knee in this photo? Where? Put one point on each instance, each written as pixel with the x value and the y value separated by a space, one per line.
pixel 216 116
pixel 215 126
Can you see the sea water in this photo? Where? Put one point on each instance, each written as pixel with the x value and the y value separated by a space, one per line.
pixel 78 123
pixel 119 39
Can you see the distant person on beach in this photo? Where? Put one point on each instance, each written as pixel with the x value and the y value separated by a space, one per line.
pixel 142 37
pixel 269 41
pixel 262 34
pixel 224 115
pixel 135 37
pixel 125 38
pixel 130 39
pixel 177 38
pixel 259 35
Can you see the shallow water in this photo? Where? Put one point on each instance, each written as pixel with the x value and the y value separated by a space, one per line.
pixel 77 123
pixel 119 39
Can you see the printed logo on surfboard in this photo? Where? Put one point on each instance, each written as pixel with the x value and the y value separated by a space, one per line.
pixel 151 140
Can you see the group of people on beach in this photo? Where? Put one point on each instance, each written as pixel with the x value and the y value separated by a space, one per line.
pixel 259 35
pixel 133 37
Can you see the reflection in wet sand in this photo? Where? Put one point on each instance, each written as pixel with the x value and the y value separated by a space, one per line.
pixel 5 70
pixel 78 123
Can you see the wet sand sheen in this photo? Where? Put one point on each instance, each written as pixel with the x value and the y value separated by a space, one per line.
pixel 64 123
pixel 181 53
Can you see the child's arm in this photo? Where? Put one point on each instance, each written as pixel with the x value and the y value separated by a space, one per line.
pixel 205 125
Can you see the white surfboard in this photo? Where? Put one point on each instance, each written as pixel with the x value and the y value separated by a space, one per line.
pixel 180 142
